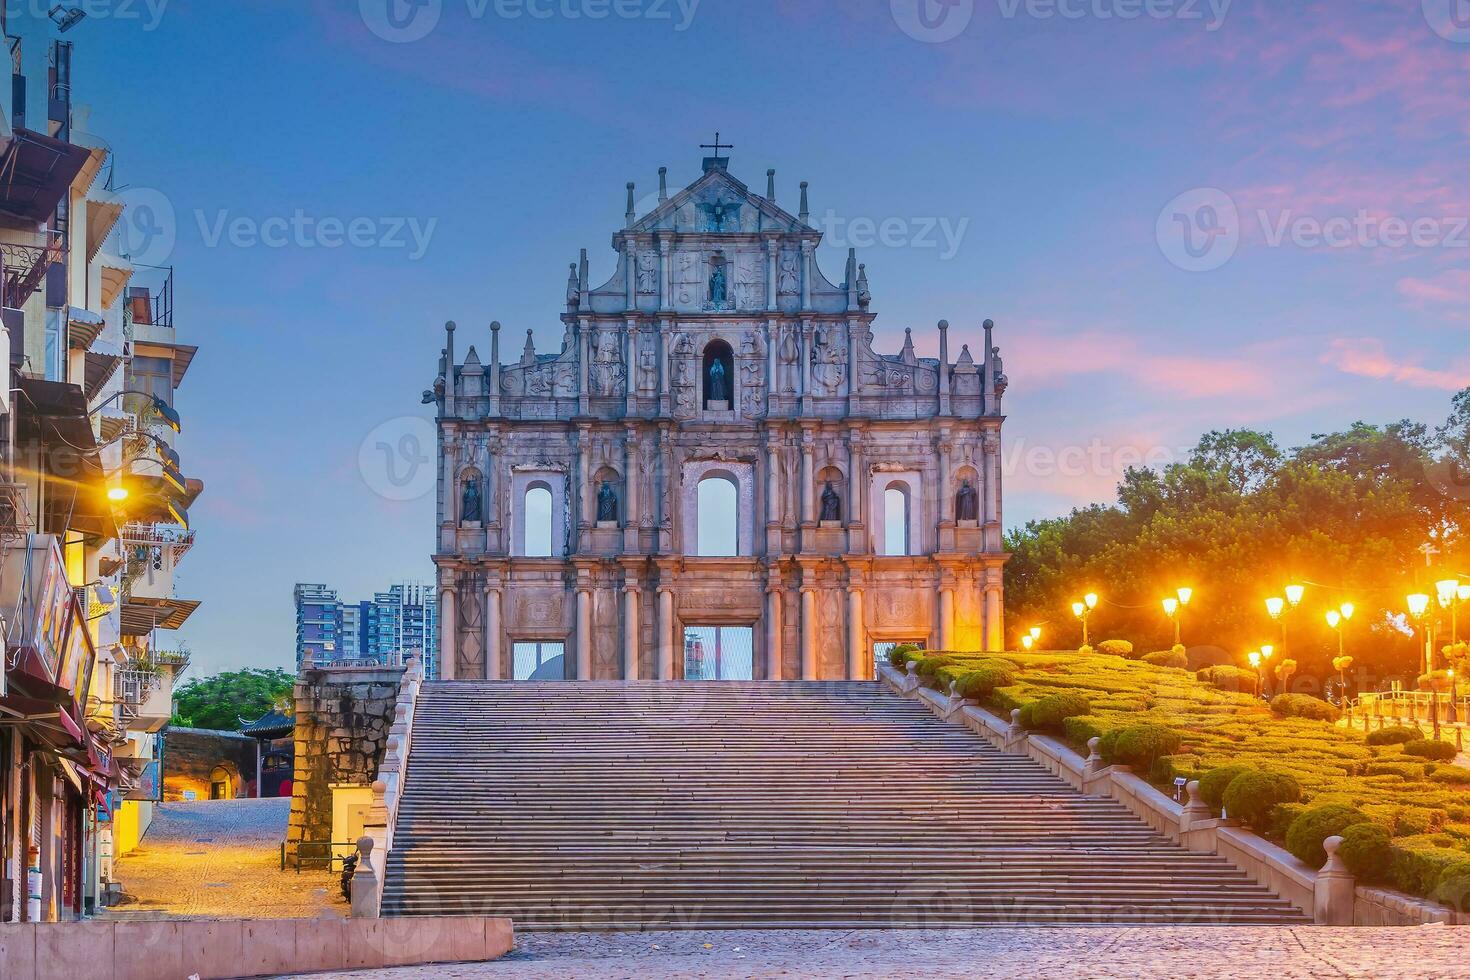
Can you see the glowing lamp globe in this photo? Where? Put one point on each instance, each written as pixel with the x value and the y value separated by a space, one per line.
pixel 1334 618
pixel 1171 606
pixel 1418 604
pixel 1294 594
pixel 1275 606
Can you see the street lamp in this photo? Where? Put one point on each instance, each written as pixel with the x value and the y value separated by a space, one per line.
pixel 1294 594
pixel 1027 642
pixel 1449 598
pixel 1418 610
pixel 1036 634
pixel 1084 609
pixel 1171 609
pixel 1267 651
pixel 1255 661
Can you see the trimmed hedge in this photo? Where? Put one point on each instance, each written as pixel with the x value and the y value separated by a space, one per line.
pixel 1140 746
pixel 1228 678
pixel 1053 710
pixel 1428 748
pixel 1116 648
pixel 980 683
pixel 1367 852
pixel 1303 706
pixel 1306 833
pixel 1394 735
pixel 900 655
pixel 1213 783
pixel 1166 658
pixel 1252 796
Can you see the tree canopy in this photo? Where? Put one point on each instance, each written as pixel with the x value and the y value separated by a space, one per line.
pixel 1347 515
pixel 221 700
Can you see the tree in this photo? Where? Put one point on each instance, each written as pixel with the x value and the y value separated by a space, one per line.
pixel 220 701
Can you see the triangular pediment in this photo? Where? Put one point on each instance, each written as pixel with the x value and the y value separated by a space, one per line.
pixel 718 203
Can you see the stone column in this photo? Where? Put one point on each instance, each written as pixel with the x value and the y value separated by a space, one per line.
pixel 631 479
pixel 630 274
pixel 806 275
pixel 773 362
pixel 808 477
pixel 774 645
pixel 584 328
pixel 665 633
pixel 631 597
pixel 804 369
pixel 493 669
pixel 773 247
pixel 857 665
pixel 946 492
pixel 448 634
pixel 494 402
pixel 946 617
pixel 584 633
pixel 665 274
pixel 809 627
pixel 995 627
pixel 583 510
pixel 630 365
pixel 857 489
pixel 773 479
pixel 991 447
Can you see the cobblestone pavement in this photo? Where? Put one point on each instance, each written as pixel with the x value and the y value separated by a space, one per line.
pixel 220 859
pixel 1076 954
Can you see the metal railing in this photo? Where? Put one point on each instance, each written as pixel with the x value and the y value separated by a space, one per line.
pixel 1409 707
pixel 25 266
pixel 133 687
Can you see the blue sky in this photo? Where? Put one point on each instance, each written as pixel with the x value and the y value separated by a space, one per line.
pixel 1041 167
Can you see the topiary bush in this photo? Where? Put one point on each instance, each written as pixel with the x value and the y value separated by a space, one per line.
pixel 1116 648
pixel 1140 746
pixel 1179 650
pixel 1306 833
pixel 1303 706
pixel 900 655
pixel 1395 735
pixel 1167 658
pixel 1079 731
pixel 1053 710
pixel 1428 748
pixel 1252 796
pixel 980 683
pixel 1451 776
pixel 1419 862
pixel 1086 651
pixel 1228 678
pixel 930 666
pixel 1367 852
pixel 1212 784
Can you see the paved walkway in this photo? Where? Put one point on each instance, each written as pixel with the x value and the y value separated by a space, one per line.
pixel 220 859
pixel 1177 954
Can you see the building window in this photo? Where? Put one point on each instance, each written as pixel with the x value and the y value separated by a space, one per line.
pixel 719 653
pixel 719 531
pixel 533 661
pixel 537 518
pixel 896 519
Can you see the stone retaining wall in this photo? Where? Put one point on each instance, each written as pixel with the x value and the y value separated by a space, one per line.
pixel 190 756
pixel 342 719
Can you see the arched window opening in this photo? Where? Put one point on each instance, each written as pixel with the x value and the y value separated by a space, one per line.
pixel 895 520
pixel 537 521
pixel 719 376
pixel 718 502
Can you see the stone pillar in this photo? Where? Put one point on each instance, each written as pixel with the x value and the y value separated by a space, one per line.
pixel 584 328
pixel 632 595
pixel 807 477
pixel 1335 891
pixel 631 481
pixel 809 627
pixel 857 490
pixel 493 671
pixel 774 646
pixel 773 248
pixel 995 626
pixel 806 275
pixel 630 365
pixel 584 633
pixel 583 510
pixel 804 369
pixel 665 633
pixel 448 634
pixel 990 446
pixel 946 491
pixel 944 384
pixel 857 661
pixel 946 617
pixel 494 401
pixel 665 275
pixel 773 479
pixel 630 274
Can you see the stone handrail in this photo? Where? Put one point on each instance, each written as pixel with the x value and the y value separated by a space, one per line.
pixel 377 839
pixel 1329 895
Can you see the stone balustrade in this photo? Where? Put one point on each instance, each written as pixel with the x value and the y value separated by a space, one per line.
pixel 1329 894
pixel 377 839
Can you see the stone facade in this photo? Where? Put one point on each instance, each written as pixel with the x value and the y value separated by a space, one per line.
pixel 191 755
pixel 718 351
pixel 342 719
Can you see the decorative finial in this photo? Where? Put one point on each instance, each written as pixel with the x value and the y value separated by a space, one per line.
pixel 663 184
pixel 806 211
pixel 989 324
pixel 943 324
pixel 630 215
pixel 449 326
pixel 771 185
pixel 494 326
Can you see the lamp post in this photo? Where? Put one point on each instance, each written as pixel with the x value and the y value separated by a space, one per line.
pixel 1449 598
pixel 1035 634
pixel 1084 609
pixel 1174 609
pixel 1255 661
pixel 1267 651
pixel 1419 611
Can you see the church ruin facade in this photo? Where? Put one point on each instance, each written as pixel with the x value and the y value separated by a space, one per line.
pixel 715 476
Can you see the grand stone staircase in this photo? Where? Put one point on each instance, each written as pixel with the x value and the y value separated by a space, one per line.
pixel 770 805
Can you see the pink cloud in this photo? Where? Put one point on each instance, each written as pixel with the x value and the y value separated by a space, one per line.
pixel 1451 286
pixel 1368 358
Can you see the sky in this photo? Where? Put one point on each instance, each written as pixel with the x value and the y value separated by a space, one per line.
pixel 1182 215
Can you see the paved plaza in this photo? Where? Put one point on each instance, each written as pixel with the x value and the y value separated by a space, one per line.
pixel 1076 954
pixel 220 859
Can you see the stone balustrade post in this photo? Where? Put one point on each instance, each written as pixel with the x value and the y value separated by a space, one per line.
pixel 1335 895
pixel 1196 810
pixel 1095 762
pixel 367 891
pixel 1015 735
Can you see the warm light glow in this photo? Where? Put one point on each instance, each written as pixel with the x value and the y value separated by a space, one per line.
pixel 1347 609
pixel 1091 600
pixel 1077 609
pixel 1275 605
pixel 1185 594
pixel 1255 658
pixel 1294 594
pixel 1448 589
pixel 1036 632
pixel 1171 606
pixel 1464 593
pixel 1334 618
pixel 1418 604
pixel 117 494
pixel 1267 651
pixel 1027 641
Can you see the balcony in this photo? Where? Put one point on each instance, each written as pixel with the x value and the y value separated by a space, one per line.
pixel 145 697
pixel 25 266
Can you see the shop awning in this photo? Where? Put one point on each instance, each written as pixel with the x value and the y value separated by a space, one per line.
pixel 141 616
pixel 51 722
pixel 36 172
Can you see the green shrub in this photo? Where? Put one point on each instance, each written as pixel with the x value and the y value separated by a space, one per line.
pixel 1212 784
pixel 930 666
pixel 1079 731
pixel 1303 706
pixel 1228 678
pixel 1306 833
pixel 1454 887
pixel 979 684
pixel 1418 862
pixel 1411 821
pixel 1427 748
pixel 1140 746
pixel 1166 658
pixel 1451 775
pixel 1167 768
pixel 1053 710
pixel 1367 852
pixel 1116 648
pixel 900 655
pixel 1395 735
pixel 1179 650
pixel 1252 796
pixel 1085 651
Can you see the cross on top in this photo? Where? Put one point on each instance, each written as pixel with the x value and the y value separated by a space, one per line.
pixel 717 146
